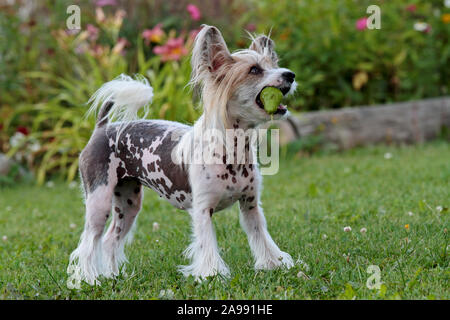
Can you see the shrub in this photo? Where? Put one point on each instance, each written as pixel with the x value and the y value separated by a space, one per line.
pixel 339 65
pixel 47 74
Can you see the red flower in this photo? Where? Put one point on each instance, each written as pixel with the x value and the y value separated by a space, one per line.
pixel 411 8
pixel 23 130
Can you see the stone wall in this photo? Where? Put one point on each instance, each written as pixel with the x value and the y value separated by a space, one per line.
pixel 406 122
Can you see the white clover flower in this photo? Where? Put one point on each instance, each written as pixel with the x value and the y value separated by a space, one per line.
pixel 73 185
pixel 17 139
pixel 72 226
pixel 324 236
pixel 34 147
pixel 420 26
pixel 155 226
pixel 363 230
pixel 388 155
pixel 50 184
pixel 439 208
pixel 302 264
pixel 5 238
pixel 166 294
pixel 410 213
pixel 347 229
pixel 447 3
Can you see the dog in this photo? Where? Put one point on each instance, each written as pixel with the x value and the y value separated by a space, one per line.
pixel 123 156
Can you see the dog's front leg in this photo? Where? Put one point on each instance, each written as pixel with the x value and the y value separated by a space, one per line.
pixel 203 250
pixel 266 252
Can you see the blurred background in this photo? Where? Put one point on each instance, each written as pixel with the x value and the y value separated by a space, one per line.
pixel 48 72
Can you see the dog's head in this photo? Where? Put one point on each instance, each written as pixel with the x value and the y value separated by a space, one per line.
pixel 232 82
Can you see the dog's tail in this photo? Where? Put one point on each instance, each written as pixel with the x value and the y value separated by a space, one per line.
pixel 121 99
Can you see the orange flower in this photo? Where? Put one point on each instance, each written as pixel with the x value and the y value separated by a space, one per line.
pixel 446 18
pixel 174 49
pixel 407 226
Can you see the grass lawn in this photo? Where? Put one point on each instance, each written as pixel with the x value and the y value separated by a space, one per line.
pixel 307 205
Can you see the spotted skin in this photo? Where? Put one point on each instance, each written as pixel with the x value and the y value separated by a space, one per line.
pixel 124 216
pixel 143 153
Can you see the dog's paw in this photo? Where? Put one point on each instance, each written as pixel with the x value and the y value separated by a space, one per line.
pixel 281 259
pixel 286 260
pixel 201 274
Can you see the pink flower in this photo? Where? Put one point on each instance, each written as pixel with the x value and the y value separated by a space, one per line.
pixel 120 46
pixel 251 27
pixel 194 12
pixel 174 49
pixel 102 3
pixel 92 32
pixel 193 34
pixel 411 8
pixel 361 24
pixel 153 35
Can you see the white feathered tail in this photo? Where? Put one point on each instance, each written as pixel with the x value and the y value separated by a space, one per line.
pixel 121 99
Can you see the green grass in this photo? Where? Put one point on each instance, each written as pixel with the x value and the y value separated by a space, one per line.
pixel 307 199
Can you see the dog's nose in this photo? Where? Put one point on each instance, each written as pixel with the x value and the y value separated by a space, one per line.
pixel 288 76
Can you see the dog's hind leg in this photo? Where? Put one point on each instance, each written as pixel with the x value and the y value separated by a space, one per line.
pixel 86 262
pixel 127 203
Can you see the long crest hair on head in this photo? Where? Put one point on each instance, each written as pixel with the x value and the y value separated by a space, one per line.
pixel 216 73
pixel 265 46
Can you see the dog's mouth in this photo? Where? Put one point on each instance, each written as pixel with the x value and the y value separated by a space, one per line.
pixel 282 109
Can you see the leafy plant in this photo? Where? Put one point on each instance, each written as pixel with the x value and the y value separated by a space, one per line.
pixel 339 65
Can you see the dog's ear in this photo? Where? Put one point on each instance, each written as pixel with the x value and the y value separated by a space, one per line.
pixel 210 53
pixel 265 46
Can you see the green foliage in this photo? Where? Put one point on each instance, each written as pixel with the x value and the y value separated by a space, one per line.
pixel 337 65
pixel 58 122
pixel 172 96
pixel 47 73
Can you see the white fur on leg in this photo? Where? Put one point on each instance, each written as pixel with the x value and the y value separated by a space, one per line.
pixel 86 261
pixel 203 250
pixel 114 251
pixel 114 254
pixel 266 252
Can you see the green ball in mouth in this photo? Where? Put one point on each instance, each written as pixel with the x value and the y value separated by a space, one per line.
pixel 271 99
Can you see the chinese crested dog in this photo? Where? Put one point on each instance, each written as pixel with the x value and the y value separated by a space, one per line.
pixel 125 155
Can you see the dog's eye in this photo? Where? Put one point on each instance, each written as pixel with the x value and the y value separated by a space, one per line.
pixel 255 70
